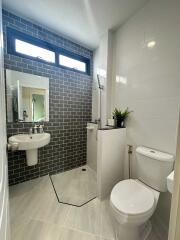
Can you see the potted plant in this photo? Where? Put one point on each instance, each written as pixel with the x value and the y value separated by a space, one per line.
pixel 120 117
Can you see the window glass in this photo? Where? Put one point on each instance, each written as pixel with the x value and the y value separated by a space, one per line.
pixel 72 63
pixel 34 51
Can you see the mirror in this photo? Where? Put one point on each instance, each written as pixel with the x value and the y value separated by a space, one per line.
pixel 27 97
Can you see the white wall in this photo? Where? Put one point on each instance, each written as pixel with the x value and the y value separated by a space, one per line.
pixel 4 214
pixel 110 156
pixel 102 66
pixel 174 230
pixel 92 145
pixel 150 79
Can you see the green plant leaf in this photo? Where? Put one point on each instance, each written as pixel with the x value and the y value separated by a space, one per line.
pixel 121 114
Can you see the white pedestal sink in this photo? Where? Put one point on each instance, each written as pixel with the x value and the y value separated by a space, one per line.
pixel 30 143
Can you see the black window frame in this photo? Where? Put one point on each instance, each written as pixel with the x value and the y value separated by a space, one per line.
pixel 13 34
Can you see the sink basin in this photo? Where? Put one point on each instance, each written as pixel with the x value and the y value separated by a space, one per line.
pixel 27 141
pixel 170 182
pixel 30 143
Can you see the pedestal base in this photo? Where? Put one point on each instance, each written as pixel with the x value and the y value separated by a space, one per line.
pixel 32 157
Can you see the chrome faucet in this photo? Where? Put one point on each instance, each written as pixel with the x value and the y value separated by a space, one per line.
pixel 41 130
pixel 36 129
pixel 30 131
pixel 33 130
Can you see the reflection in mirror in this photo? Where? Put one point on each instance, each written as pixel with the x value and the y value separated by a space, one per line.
pixel 27 97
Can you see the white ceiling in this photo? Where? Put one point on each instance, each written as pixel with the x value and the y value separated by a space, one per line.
pixel 81 20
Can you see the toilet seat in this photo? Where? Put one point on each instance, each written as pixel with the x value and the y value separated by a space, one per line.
pixel 130 197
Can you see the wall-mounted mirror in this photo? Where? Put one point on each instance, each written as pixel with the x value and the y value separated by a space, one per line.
pixel 27 97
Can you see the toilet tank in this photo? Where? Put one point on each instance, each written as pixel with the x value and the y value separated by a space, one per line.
pixel 153 167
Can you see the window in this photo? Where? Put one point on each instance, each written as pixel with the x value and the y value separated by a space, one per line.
pixel 27 46
pixel 34 51
pixel 72 63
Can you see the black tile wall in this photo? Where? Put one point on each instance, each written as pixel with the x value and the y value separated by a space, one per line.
pixel 70 102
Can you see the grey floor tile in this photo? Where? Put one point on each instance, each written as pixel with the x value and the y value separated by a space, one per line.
pixel 76 186
pixel 36 214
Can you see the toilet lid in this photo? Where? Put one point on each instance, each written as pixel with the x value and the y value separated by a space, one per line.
pixel 132 198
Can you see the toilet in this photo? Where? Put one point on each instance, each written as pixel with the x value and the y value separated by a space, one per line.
pixel 133 201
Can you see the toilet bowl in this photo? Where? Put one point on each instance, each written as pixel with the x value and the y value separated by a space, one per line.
pixel 132 204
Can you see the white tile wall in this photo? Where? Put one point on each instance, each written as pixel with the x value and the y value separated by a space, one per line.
pixel 152 90
pixel 92 146
pixel 110 159
pixel 103 66
pixel 100 67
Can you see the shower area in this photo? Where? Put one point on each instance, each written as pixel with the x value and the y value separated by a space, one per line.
pixel 78 186
pixel 75 187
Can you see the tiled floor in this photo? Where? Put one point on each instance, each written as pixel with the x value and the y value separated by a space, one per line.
pixel 75 187
pixel 36 214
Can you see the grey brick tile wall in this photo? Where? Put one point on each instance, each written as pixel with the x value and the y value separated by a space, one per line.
pixel 70 103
